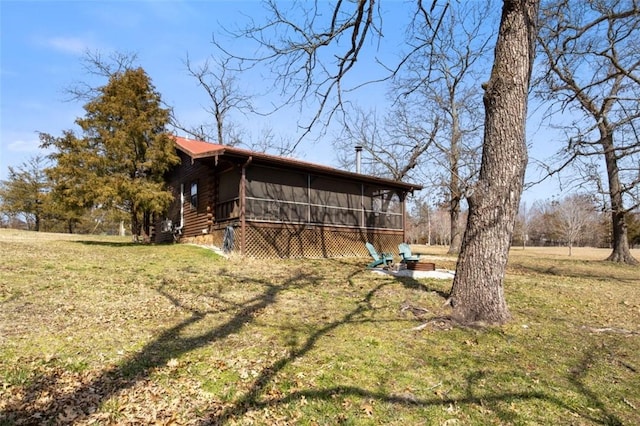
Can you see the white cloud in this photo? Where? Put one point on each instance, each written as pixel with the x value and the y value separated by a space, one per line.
pixel 72 45
pixel 24 145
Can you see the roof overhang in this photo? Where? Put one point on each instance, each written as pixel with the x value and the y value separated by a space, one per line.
pixel 201 150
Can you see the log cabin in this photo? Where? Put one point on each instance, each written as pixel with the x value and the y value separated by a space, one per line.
pixel 266 206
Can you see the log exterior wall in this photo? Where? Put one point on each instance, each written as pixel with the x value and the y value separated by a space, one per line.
pixel 197 219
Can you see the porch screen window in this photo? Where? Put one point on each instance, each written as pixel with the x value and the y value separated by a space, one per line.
pixel 194 195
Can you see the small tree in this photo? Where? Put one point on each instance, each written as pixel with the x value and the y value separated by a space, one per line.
pixel 72 176
pixel 25 192
pixel 458 57
pixel 392 147
pixel 522 225
pixel 120 160
pixel 419 230
pixel 573 217
pixel 432 135
pixel 634 229
pixel 540 216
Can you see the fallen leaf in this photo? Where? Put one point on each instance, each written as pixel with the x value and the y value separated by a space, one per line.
pixel 367 409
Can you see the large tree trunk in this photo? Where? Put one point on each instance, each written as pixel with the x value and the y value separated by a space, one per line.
pixel 477 293
pixel 145 227
pixel 621 252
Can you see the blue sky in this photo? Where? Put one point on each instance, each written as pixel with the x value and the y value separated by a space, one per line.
pixel 43 43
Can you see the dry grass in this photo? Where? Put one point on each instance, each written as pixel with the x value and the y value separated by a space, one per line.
pixel 101 331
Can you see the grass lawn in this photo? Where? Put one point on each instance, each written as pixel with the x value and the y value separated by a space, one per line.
pixel 96 330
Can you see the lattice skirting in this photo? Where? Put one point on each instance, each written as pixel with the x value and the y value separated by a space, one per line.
pixel 314 242
pixel 290 241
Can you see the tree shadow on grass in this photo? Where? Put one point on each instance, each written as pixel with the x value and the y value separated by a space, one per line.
pixel 499 404
pixel 413 284
pixel 257 397
pixel 577 376
pixel 45 403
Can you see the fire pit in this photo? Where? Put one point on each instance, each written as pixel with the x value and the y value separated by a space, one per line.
pixel 421 266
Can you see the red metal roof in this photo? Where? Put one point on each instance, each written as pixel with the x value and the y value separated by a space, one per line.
pixel 201 149
pixel 194 147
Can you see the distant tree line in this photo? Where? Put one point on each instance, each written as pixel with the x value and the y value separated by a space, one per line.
pixel 576 220
pixel 28 201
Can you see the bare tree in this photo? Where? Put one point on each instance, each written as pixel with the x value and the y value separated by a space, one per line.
pixel 572 220
pixel 295 52
pixel 573 216
pixel 219 80
pixel 523 222
pixel 419 230
pixel 457 59
pixel 634 229
pixel 592 61
pixel 436 119
pixel 392 147
pixel 441 226
pixel 537 223
pixel 301 55
pixel 97 64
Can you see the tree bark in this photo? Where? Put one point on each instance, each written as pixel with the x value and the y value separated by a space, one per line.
pixel 455 228
pixel 454 184
pixel 135 225
pixel 477 294
pixel 620 244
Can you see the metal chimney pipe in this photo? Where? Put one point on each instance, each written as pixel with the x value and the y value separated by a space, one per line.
pixel 358 157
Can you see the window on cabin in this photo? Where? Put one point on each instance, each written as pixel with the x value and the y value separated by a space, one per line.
pixel 194 195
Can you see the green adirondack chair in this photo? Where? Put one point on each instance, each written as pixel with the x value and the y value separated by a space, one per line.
pixel 378 259
pixel 406 255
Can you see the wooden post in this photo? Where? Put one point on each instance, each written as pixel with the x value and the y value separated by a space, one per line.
pixel 308 198
pixel 363 215
pixel 243 204
pixel 403 198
